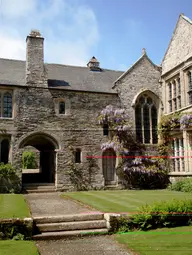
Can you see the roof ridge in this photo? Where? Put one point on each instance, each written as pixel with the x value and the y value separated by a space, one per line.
pixel 85 67
pixel 12 59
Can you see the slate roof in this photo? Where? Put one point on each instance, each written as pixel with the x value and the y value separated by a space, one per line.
pixel 12 72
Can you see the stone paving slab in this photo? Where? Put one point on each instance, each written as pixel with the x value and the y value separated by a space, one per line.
pixel 94 245
pixel 51 204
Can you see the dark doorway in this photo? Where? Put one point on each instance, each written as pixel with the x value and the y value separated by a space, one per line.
pixel 47 162
pixel 5 151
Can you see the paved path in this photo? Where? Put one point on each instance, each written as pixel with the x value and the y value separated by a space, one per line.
pixel 51 204
pixel 94 245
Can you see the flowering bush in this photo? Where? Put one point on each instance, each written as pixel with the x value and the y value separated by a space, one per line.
pixel 137 170
pixel 186 121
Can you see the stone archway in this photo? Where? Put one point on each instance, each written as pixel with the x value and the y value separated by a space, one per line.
pixel 109 163
pixel 46 146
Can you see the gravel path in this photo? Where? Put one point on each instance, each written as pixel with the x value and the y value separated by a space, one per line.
pixel 94 245
pixel 51 204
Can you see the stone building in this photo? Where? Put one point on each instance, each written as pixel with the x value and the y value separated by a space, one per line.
pixel 53 108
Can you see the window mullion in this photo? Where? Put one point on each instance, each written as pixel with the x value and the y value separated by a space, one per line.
pixel 142 125
pixel 150 125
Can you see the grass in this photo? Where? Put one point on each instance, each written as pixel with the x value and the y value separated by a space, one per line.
pixel 123 200
pixel 10 247
pixel 13 206
pixel 165 241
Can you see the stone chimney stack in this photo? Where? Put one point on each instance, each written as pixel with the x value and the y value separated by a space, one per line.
pixel 36 75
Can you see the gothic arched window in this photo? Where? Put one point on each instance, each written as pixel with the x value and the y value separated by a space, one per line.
pixel 146 120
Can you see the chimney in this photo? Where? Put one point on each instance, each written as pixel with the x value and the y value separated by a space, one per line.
pixel 94 64
pixel 36 75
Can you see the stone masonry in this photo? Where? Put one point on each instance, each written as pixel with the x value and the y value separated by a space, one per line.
pixel 38 88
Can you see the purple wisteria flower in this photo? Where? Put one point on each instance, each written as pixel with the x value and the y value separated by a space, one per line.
pixel 186 121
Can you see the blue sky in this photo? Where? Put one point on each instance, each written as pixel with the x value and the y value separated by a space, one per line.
pixel 75 30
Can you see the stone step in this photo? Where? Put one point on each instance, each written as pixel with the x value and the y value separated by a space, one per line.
pixel 79 225
pixel 69 218
pixel 48 190
pixel 69 234
pixel 38 184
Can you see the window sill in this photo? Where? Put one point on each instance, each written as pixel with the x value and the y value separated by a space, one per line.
pixel 31 171
pixel 63 115
pixel 4 118
pixel 180 174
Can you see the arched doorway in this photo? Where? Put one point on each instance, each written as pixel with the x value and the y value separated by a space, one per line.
pixel 45 145
pixel 109 163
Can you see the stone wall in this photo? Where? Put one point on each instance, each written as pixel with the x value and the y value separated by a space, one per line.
pixel 144 76
pixel 35 113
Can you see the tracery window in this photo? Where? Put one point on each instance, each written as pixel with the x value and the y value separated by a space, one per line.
pixel 5 105
pixel 146 120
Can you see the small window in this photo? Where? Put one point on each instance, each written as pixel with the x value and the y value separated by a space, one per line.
pixel 78 156
pixel 105 129
pixel 62 108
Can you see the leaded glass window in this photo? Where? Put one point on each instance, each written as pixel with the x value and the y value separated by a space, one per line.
pixel 146 120
pixel 7 105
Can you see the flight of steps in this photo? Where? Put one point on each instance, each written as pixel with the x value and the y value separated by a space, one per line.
pixel 65 226
pixel 38 187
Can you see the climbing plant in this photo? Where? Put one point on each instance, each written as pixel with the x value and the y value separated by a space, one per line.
pixel 137 169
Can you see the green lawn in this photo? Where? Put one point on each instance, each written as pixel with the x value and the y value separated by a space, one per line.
pixel 13 206
pixel 123 200
pixel 175 241
pixel 10 247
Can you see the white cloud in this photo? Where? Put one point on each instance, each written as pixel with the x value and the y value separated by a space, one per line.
pixel 12 9
pixel 70 30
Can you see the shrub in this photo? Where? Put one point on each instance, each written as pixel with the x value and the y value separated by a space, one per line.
pixel 144 173
pixel 28 160
pixel 183 184
pixel 158 215
pixel 9 181
pixel 16 229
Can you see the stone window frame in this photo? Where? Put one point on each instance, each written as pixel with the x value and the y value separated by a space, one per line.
pixel 141 134
pixel 2 94
pixel 67 102
pixel 177 157
pixel 174 94
pixel 189 86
